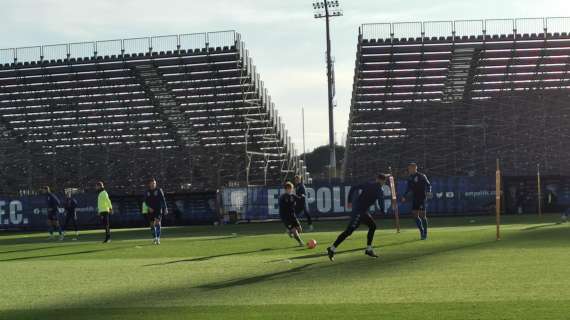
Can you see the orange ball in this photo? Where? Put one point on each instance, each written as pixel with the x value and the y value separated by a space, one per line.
pixel 312 244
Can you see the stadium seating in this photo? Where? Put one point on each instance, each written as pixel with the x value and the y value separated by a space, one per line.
pixel 195 117
pixel 456 104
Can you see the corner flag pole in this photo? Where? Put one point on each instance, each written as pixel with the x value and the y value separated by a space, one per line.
pixel 498 199
pixel 539 186
pixel 394 200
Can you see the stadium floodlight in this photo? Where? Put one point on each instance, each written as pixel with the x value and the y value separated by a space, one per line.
pixel 327 9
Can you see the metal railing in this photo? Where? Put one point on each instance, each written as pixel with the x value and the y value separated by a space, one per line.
pixel 461 28
pixel 189 41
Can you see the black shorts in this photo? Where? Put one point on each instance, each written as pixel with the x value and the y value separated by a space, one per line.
pixel 300 207
pixel 291 223
pixel 419 204
pixel 52 215
pixel 360 218
pixel 154 216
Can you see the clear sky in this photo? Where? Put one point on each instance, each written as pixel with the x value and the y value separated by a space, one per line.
pixel 285 41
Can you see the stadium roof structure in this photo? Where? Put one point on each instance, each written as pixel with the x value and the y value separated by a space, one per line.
pixel 190 110
pixel 456 95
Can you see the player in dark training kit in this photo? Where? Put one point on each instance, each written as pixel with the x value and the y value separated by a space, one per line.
pixel 53 205
pixel 370 193
pixel 419 188
pixel 156 204
pixel 287 204
pixel 70 206
pixel 301 207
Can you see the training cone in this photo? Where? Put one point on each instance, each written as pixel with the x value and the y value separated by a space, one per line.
pixel 312 244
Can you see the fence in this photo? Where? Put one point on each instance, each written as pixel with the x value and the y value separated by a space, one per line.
pixel 451 196
pixel 121 46
pixel 460 28
pixel 30 213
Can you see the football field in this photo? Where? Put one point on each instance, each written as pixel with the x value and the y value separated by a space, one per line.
pixel 255 271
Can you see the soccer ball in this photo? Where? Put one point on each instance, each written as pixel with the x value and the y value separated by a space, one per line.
pixel 564 218
pixel 312 244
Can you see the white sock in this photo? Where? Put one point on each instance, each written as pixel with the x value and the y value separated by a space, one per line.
pixel 333 248
pixel 369 248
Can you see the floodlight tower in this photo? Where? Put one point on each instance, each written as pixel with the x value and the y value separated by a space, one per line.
pixel 326 9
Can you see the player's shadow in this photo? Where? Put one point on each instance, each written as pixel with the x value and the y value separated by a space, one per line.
pixel 199 259
pixel 255 279
pixel 35 249
pixel 541 226
pixel 213 239
pixel 322 254
pixel 63 254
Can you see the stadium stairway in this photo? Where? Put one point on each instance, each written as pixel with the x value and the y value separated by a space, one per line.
pixel 459 74
pixel 158 92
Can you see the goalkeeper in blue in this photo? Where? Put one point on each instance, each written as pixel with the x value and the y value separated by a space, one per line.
pixel 156 207
pixel 370 192
pixel 418 191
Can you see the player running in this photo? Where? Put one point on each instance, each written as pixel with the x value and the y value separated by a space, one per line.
pixel 386 205
pixel 301 204
pixel 104 209
pixel 156 207
pixel 70 206
pixel 419 188
pixel 53 205
pixel 287 204
pixel 370 193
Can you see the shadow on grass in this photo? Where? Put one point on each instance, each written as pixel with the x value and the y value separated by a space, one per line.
pixel 322 254
pixel 37 249
pixel 212 257
pixel 65 254
pixel 255 279
pixel 348 266
pixel 541 226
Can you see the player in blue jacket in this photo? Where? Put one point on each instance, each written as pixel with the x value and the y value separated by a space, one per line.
pixel 156 206
pixel 370 192
pixel 419 189
pixel 53 204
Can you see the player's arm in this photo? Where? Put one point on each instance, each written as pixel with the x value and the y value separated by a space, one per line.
pixel 408 190
pixel 351 193
pixel 146 201
pixel 302 192
pixel 428 187
pixel 282 205
pixel 56 201
pixel 108 203
pixel 163 204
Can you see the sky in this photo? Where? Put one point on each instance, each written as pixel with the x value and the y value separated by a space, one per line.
pixel 286 42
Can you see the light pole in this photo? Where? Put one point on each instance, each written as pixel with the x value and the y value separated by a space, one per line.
pixel 326 9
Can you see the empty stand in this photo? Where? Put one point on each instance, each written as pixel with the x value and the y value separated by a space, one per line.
pixel 454 101
pixel 190 110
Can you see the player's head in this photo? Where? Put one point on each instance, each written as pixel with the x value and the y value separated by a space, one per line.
pixel 381 178
pixel 288 187
pixel 412 167
pixel 46 189
pixel 151 183
pixel 298 179
pixel 99 186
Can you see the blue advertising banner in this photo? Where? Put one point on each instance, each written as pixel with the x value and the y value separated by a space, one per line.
pixel 31 212
pixel 451 196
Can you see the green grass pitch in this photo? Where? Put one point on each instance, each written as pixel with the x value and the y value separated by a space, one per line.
pixel 255 272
